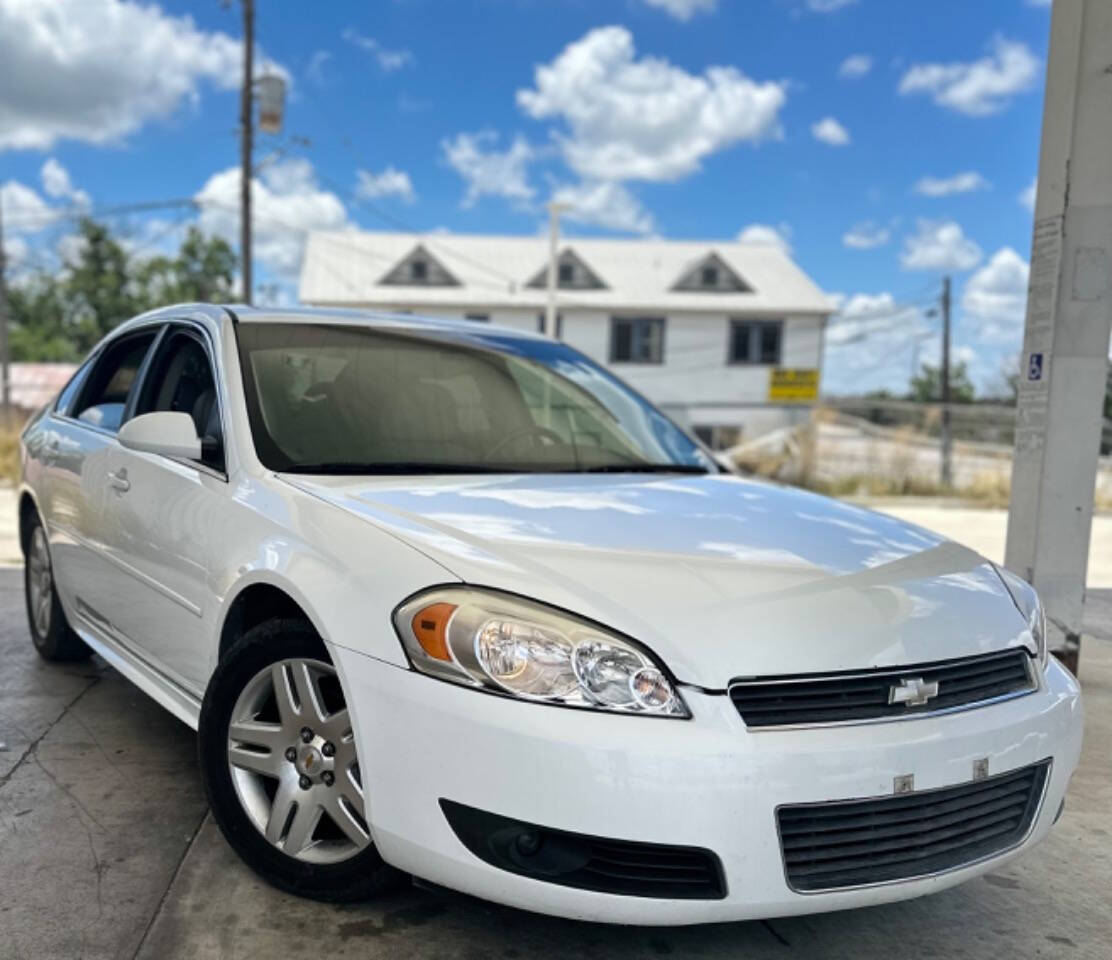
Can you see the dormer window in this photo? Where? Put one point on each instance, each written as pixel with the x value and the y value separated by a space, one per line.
pixel 571 274
pixel 711 274
pixel 419 269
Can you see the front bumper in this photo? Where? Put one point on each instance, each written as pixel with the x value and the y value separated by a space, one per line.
pixel 707 782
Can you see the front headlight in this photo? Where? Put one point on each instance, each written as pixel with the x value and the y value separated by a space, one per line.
pixel 1030 606
pixel 504 643
pixel 1036 623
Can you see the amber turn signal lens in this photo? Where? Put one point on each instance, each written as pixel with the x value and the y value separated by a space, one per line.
pixel 430 627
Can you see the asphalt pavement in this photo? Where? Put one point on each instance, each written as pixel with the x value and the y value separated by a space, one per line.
pixel 107 851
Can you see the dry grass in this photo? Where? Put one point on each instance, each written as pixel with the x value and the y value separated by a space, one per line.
pixel 9 451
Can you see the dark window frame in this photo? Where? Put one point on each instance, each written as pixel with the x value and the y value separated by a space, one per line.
pixel 634 321
pixel 756 328
pixel 79 402
pixel 141 397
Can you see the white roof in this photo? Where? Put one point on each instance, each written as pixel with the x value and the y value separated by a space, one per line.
pixel 343 268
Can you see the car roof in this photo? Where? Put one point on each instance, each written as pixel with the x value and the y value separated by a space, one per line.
pixel 377 319
pixel 372 318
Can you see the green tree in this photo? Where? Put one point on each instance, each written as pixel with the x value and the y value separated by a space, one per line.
pixel 202 272
pixel 926 386
pixel 58 317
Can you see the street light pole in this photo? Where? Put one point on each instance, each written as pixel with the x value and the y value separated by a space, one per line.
pixel 554 211
pixel 5 367
pixel 246 145
pixel 947 472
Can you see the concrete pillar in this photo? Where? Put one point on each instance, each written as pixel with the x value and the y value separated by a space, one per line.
pixel 1069 320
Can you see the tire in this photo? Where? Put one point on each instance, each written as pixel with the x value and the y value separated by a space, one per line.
pixel 258 789
pixel 51 633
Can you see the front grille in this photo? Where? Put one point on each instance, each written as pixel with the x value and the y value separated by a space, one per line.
pixel 861 696
pixel 851 843
pixel 589 863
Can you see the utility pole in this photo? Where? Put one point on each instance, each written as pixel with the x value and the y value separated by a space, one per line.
pixel 5 365
pixel 247 131
pixel 1069 318
pixel 947 475
pixel 554 211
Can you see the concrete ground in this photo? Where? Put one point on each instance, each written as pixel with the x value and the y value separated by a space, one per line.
pixel 107 851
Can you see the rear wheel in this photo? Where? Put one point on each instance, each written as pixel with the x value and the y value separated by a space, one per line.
pixel 281 770
pixel 50 632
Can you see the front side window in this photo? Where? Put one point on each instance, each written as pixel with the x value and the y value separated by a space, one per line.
pixel 181 381
pixel 346 399
pixel 755 341
pixel 637 340
pixel 105 394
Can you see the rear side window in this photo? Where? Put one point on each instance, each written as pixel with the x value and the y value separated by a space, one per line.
pixel 69 391
pixel 110 382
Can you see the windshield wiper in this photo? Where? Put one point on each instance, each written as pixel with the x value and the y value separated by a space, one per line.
pixel 394 469
pixel 638 468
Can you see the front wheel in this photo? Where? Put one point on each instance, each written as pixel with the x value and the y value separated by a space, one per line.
pixel 280 767
pixel 50 632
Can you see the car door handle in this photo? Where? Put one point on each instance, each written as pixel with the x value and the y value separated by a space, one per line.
pixel 119 481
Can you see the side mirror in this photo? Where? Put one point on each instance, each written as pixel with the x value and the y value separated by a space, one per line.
pixel 165 433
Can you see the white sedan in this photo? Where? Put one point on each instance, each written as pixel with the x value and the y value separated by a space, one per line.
pixel 451 600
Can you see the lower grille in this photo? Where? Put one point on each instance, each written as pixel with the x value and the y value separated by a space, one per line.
pixel 851 843
pixel 588 863
pixel 868 695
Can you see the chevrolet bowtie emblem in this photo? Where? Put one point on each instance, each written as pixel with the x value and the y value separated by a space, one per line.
pixel 913 692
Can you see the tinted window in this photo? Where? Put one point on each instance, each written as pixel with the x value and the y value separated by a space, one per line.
pixel 339 399
pixel 637 340
pixel 181 381
pixel 755 341
pixel 110 382
pixel 69 391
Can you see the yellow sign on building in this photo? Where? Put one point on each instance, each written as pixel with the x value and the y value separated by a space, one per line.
pixel 793 386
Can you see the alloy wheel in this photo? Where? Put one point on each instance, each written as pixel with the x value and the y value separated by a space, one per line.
pixel 291 751
pixel 40 583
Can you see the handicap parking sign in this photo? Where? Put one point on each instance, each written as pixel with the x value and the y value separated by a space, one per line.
pixel 1035 367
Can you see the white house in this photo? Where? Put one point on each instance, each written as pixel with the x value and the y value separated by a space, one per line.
pixel 726 337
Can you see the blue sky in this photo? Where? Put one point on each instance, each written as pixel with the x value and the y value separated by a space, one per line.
pixel 885 143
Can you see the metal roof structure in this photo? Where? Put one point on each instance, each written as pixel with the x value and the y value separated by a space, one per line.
pixel 347 268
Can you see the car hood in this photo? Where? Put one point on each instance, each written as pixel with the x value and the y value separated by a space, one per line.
pixel 721 577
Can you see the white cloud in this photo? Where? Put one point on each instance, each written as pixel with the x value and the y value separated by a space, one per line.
pixel 866 236
pixel 315 71
pixel 646 119
pixel 388 60
pixel 828 130
pixel 979 87
pixel 98 70
pixel 828 6
pixel 287 202
pixel 490 171
pixel 996 297
pixel 766 235
pixel 390 183
pixel 871 341
pixel 56 182
pixel 683 9
pixel 965 182
pixel 1028 194
pixel 939 245
pixel 855 66
pixel 605 203
pixel 25 211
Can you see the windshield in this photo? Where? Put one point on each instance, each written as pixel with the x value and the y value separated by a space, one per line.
pixel 344 399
